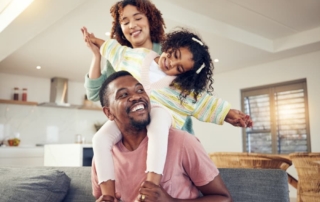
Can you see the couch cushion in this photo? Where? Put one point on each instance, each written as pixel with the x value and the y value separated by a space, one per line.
pixel 252 185
pixel 80 188
pixel 32 184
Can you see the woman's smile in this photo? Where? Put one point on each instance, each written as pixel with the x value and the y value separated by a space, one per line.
pixel 135 33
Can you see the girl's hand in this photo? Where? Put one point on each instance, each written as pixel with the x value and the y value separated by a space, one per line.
pixel 238 119
pixel 87 35
pixel 90 40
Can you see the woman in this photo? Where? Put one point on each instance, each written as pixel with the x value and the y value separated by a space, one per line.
pixel 136 23
pixel 139 24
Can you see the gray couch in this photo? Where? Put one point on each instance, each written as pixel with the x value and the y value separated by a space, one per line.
pixel 74 184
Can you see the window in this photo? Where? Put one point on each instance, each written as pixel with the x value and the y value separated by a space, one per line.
pixel 280 118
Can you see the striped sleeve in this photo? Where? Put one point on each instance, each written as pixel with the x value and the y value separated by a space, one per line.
pixel 211 109
pixel 123 57
pixel 207 108
pixel 113 52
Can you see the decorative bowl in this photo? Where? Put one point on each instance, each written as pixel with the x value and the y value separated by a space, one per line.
pixel 13 142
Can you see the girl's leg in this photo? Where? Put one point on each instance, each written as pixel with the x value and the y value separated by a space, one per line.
pixel 102 142
pixel 158 132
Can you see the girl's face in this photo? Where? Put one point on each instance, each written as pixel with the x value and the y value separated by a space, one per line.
pixel 135 27
pixel 177 62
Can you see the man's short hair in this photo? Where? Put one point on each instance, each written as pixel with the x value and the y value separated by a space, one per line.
pixel 104 100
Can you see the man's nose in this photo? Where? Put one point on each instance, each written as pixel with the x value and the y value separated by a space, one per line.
pixel 134 96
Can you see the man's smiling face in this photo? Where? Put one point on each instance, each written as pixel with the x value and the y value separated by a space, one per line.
pixel 129 105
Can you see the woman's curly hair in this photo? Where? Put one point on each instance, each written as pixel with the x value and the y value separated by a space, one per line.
pixel 190 82
pixel 156 22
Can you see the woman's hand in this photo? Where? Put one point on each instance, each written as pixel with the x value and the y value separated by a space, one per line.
pixel 90 41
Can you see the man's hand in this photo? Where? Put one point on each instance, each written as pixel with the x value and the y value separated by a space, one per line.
pixel 151 192
pixel 108 198
pixel 105 198
pixel 238 119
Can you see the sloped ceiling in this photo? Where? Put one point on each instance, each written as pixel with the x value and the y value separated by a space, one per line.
pixel 240 33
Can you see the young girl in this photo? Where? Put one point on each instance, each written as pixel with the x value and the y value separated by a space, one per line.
pixel 176 80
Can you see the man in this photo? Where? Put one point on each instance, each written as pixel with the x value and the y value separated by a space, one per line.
pixel 188 168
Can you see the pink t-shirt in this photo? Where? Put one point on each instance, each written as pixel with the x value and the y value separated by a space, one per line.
pixel 187 165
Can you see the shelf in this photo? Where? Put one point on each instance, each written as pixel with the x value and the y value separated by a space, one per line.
pixel 89 105
pixel 17 102
pixel 91 108
pixel 96 108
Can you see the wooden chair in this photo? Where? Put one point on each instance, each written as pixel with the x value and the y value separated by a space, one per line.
pixel 253 160
pixel 308 169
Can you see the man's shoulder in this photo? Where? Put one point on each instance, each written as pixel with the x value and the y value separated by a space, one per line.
pixel 177 136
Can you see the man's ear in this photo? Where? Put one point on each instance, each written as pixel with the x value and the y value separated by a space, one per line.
pixel 108 113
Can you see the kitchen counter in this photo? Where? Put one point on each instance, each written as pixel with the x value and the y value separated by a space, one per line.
pixel 21 156
pixel 73 155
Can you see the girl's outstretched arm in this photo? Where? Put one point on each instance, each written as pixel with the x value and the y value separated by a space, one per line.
pixel 239 119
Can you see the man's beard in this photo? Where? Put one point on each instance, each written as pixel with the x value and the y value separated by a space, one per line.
pixel 141 124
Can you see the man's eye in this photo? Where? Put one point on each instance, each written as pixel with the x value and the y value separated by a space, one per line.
pixel 123 95
pixel 141 90
pixel 138 18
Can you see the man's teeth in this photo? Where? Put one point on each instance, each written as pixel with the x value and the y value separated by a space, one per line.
pixel 136 108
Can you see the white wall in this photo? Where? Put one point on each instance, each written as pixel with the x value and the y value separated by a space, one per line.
pixel 38 124
pixel 228 85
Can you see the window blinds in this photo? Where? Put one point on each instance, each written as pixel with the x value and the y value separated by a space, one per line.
pixel 280 117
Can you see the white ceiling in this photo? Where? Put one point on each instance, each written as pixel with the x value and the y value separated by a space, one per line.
pixel 240 33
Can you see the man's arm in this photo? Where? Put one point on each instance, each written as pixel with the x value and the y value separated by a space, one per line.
pixel 201 171
pixel 214 191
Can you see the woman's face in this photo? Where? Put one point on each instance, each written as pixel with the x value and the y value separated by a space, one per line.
pixel 176 62
pixel 135 27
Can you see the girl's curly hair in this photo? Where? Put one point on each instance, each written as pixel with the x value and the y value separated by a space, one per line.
pixel 190 82
pixel 156 22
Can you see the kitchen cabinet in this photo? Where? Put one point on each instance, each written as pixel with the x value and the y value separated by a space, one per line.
pixel 21 156
pixel 72 155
